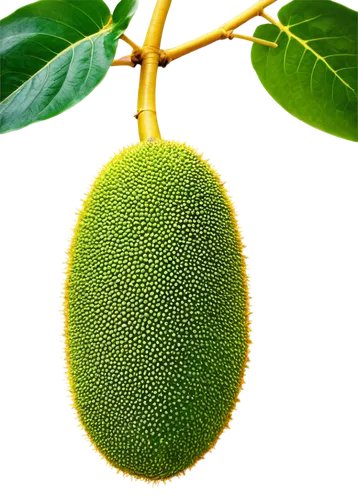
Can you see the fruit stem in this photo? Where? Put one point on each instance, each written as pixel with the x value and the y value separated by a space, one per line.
pixel 147 114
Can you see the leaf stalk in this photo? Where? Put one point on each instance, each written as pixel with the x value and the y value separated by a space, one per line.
pixel 254 39
pixel 130 42
pixel 124 61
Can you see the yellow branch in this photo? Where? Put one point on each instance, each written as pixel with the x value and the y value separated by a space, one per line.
pixel 223 32
pixel 147 114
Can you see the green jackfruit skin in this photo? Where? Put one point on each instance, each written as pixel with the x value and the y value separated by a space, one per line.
pixel 156 310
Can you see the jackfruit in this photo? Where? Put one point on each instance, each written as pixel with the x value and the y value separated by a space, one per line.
pixel 156 308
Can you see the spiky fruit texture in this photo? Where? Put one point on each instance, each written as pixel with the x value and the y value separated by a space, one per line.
pixel 156 310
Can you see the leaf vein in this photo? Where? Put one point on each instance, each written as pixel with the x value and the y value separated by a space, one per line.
pixel 39 92
pixel 85 13
pixel 347 67
pixel 303 22
pixel 326 38
pixel 64 24
pixel 285 56
pixel 59 90
pixel 14 73
pixel 90 64
pixel 334 81
pixel 304 44
pixel 37 57
pixel 51 61
pixel 311 79
pixel 338 55
pixel 303 55
pixel 39 33
pixel 44 46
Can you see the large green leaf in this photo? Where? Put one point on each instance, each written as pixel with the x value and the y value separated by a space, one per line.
pixel 313 72
pixel 53 53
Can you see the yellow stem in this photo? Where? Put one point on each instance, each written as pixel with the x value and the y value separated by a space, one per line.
pixel 218 34
pixel 147 114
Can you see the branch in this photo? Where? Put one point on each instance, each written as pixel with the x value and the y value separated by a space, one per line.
pixel 221 33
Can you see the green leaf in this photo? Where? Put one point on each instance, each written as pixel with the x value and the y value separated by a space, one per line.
pixel 123 14
pixel 53 53
pixel 313 72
